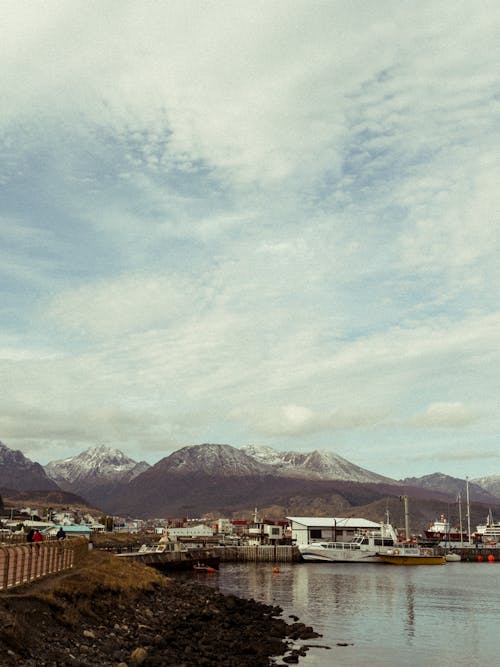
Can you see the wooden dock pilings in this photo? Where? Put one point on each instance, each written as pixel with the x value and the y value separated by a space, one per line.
pixel 265 553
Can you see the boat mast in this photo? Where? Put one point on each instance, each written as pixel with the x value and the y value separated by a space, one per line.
pixel 468 506
pixel 460 519
pixel 407 520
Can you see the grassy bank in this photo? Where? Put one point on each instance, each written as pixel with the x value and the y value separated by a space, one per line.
pixel 111 612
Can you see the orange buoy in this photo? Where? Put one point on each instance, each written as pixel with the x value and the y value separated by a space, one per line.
pixel 491 558
pixel 480 559
pixel 276 570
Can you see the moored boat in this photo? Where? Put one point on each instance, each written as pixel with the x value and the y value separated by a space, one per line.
pixel 363 548
pixel 170 554
pixel 452 557
pixel 442 531
pixel 411 555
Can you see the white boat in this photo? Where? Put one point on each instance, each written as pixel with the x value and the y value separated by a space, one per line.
pixel 489 533
pixel 363 548
pixel 452 557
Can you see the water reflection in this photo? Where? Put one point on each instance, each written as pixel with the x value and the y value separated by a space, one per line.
pixel 390 615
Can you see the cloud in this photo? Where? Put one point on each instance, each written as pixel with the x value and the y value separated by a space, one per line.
pixel 445 415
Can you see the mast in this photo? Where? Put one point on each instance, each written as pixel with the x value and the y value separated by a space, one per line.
pixel 407 520
pixel 460 518
pixel 468 506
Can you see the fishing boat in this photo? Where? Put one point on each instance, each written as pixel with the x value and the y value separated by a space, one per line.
pixel 362 548
pixel 170 554
pixel 411 555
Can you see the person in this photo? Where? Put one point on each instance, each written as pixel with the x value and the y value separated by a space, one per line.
pixel 29 536
pixel 37 537
pixel 60 533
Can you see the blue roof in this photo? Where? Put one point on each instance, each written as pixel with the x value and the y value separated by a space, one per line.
pixel 71 529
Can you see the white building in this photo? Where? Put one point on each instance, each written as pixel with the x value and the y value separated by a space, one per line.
pixel 194 531
pixel 307 529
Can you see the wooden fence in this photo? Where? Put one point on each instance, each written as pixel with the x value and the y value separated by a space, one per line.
pixel 24 563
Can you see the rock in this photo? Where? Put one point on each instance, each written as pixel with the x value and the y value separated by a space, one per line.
pixel 138 656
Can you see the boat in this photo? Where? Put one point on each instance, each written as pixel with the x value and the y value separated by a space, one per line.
pixel 452 557
pixel 489 533
pixel 201 567
pixel 441 531
pixel 411 555
pixel 171 554
pixel 362 548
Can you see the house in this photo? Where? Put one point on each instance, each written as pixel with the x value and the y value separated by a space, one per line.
pixel 306 529
pixel 76 530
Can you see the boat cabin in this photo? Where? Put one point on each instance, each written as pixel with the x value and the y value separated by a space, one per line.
pixel 307 530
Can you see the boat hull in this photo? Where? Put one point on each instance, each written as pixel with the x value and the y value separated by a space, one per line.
pixel 167 561
pixel 413 560
pixel 339 556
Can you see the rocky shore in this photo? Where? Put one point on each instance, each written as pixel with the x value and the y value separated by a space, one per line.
pixel 166 622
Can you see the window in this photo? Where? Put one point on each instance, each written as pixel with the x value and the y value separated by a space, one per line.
pixel 316 533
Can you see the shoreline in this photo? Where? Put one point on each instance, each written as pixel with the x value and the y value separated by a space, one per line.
pixel 69 620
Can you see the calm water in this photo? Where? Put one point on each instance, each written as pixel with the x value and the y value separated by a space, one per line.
pixel 443 615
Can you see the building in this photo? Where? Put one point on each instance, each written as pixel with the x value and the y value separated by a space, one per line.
pixel 306 529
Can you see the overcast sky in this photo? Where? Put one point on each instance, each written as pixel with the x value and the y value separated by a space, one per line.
pixel 259 222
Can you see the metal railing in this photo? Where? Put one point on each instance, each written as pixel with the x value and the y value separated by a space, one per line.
pixel 24 563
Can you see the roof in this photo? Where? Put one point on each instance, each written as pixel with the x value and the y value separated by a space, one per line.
pixel 332 522
pixel 70 529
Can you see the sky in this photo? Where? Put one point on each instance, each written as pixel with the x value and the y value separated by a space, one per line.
pixel 268 223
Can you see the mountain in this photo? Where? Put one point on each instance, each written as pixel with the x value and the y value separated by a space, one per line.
pixel 490 484
pixel 220 480
pixel 94 472
pixel 319 464
pixel 21 474
pixel 451 486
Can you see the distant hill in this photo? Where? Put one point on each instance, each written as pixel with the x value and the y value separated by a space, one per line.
pixel 451 486
pixel 20 474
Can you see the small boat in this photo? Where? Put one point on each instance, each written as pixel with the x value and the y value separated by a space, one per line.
pixel 452 558
pixel 201 567
pixel 411 555
pixel 363 548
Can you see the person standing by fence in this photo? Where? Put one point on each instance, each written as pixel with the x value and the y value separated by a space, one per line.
pixel 37 537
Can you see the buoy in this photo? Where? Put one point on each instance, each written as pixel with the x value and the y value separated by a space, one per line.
pixel 276 570
pixel 479 559
pixel 491 558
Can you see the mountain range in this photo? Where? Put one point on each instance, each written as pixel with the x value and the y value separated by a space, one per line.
pixel 218 479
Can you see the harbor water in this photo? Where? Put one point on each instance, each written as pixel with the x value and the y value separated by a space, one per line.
pixel 371 614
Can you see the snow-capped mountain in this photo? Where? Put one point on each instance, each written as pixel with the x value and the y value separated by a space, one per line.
pixel 21 474
pixel 312 465
pixel 99 465
pixel 213 459
pixel 490 484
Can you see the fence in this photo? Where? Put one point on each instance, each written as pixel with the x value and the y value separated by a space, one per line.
pixel 23 563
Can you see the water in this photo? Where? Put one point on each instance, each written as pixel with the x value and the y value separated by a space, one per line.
pixel 388 615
